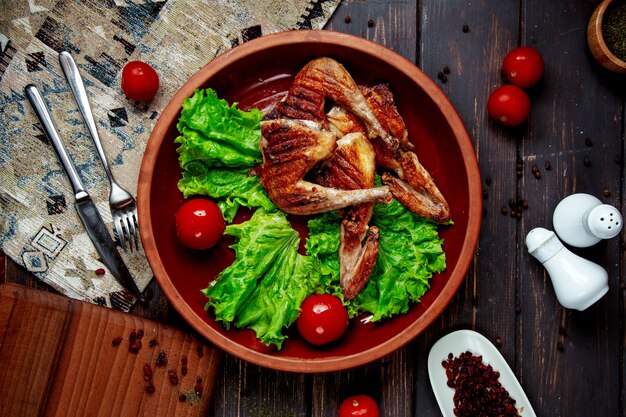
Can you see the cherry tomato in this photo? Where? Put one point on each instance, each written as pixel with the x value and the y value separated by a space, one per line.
pixel 523 66
pixel 199 223
pixel 359 406
pixel 323 319
pixel 509 105
pixel 140 82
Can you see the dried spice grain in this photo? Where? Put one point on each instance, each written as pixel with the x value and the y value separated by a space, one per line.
pixel 588 142
pixel 488 180
pixel 347 19
pixel 465 29
pixel 117 341
pixel 547 166
pixel 370 23
pixel 161 359
pixel 100 272
pixel 586 161
pixel 606 192
pixel 503 211
pixel 478 391
pixel 134 341
pixel 172 376
pixel 153 342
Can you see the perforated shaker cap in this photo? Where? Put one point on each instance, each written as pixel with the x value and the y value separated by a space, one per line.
pixel 604 221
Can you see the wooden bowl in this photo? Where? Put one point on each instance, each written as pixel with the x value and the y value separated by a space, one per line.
pixel 255 74
pixel 595 39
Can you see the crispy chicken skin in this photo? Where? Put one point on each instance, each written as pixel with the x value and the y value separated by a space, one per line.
pixel 291 148
pixel 321 79
pixel 353 166
pixel 414 187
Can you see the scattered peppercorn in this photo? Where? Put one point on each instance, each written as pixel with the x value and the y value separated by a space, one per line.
pixel 147 372
pixel 478 390
pixel 485 194
pixel 183 367
pixel 606 192
pixel 465 28
pixel 153 342
pixel 517 206
pixel 503 210
pixel 537 174
pixel 198 388
pixel 518 309
pixel 587 162
pixel 488 180
pixel 370 23
pixel 200 351
pixel 547 166
pixel 519 174
pixel 446 70
pixel 161 359
pixel 100 272
pixel 116 341
pixel 134 341
pixel 588 142
pixel 442 77
pixel 182 398
pixel 172 376
pixel 498 342
pixel 347 19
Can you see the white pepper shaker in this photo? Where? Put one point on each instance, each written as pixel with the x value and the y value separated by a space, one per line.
pixel 581 220
pixel 578 283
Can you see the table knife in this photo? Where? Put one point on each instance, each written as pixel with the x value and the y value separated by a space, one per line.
pixel 86 208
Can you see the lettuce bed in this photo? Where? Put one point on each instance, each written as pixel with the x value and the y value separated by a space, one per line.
pixel 264 287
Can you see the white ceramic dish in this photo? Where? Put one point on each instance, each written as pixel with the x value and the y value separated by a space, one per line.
pixel 468 340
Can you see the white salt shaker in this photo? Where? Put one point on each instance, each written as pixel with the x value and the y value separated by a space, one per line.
pixel 581 220
pixel 578 283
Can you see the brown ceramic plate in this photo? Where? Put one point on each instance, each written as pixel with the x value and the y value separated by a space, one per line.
pixel 255 74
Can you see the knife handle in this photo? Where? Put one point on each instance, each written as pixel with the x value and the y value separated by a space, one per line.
pixel 73 77
pixel 42 112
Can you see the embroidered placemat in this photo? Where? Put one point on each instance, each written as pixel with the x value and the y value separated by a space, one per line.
pixel 39 227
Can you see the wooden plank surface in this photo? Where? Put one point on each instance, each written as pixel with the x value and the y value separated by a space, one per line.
pixel 570 363
pixel 59 358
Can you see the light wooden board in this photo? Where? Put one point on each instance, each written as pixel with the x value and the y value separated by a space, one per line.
pixel 58 358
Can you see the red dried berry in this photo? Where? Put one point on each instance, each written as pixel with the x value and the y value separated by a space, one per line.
pixel 100 272
pixel 117 341
pixel 161 359
pixel 477 390
pixel 173 377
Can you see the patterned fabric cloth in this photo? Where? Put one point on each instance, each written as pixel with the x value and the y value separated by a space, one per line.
pixel 39 227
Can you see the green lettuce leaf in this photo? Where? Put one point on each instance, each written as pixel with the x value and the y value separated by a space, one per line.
pixel 218 145
pixel 264 287
pixel 410 253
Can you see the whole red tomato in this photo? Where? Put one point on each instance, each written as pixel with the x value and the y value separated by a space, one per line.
pixel 359 406
pixel 199 224
pixel 140 82
pixel 523 66
pixel 509 105
pixel 322 319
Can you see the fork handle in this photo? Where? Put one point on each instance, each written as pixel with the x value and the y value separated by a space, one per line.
pixel 42 112
pixel 80 94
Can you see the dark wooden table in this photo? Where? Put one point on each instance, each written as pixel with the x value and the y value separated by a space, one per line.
pixel 570 363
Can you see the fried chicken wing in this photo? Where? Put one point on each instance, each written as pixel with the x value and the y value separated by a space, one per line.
pixel 291 148
pixel 353 166
pixel 414 187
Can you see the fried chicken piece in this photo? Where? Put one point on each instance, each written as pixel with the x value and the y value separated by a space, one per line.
pixel 353 166
pixel 291 148
pixel 321 79
pixel 414 187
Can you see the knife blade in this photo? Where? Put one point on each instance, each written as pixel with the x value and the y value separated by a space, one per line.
pixel 86 208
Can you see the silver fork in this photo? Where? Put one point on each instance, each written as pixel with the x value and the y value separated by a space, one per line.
pixel 122 203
